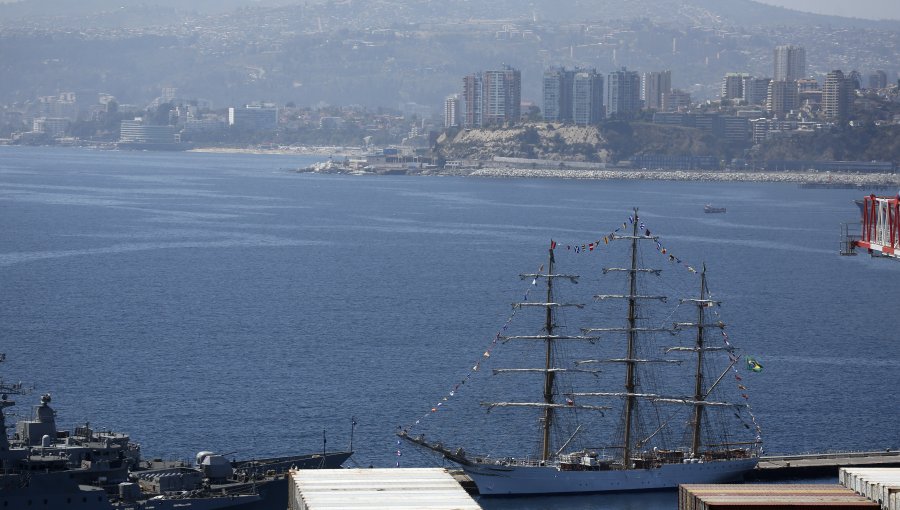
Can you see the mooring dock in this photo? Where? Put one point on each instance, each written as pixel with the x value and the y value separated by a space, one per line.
pixel 820 464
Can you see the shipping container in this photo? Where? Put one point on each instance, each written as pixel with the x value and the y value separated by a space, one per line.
pixel 768 496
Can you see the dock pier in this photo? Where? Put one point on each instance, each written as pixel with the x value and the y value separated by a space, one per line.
pixel 820 464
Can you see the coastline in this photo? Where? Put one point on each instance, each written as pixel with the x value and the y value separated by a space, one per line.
pixel 284 151
pixel 822 179
pixel 813 179
pixel 805 179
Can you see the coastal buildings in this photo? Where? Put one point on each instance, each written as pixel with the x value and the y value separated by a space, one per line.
pixel 573 96
pixel 624 94
pixel 676 100
pixel 61 106
pixel 557 94
pixel 790 63
pixel 727 128
pixel 587 98
pixel 136 132
pixel 492 97
pixel 745 88
pixel 733 86
pixel 755 90
pixel 451 111
pixel 256 117
pixel 54 127
pixel 836 96
pixel 783 97
pixel 654 85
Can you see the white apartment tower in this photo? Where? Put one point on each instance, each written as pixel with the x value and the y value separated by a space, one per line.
pixel 790 63
pixel 451 111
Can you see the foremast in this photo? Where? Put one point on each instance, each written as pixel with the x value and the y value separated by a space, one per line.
pixel 548 403
pixel 549 337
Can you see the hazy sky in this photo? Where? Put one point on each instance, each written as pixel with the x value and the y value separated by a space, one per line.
pixel 870 9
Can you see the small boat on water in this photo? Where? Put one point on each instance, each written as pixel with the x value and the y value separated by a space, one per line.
pixel 708 208
pixel 653 423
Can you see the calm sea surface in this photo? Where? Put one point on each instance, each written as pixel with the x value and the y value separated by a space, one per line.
pixel 226 303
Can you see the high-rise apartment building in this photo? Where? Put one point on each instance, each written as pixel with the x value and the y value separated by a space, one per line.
pixel 473 91
pixel 557 94
pixel 756 90
pixel 836 96
pixel 587 97
pixel 573 96
pixel 451 111
pixel 783 97
pixel 790 63
pixel 492 97
pixel 733 86
pixel 653 86
pixel 623 94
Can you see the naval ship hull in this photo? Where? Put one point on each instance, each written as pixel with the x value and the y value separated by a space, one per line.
pixel 50 490
pixel 273 491
pixel 499 480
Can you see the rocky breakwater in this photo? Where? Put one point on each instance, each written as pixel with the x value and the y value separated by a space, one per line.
pixel 851 179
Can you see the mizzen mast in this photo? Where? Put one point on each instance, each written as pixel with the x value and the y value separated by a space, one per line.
pixel 699 393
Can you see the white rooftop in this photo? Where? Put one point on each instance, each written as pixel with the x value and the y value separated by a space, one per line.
pixel 392 488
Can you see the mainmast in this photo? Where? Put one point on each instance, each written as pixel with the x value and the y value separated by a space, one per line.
pixel 549 375
pixel 699 394
pixel 632 337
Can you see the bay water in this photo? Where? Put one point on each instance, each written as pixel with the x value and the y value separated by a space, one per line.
pixel 225 302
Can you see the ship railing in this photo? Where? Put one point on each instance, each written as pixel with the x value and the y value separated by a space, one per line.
pixel 849 239
pixel 511 461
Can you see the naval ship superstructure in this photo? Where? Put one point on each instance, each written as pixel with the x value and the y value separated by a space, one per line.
pixel 42 466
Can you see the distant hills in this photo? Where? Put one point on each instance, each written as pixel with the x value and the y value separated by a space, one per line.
pixel 392 52
pixel 736 13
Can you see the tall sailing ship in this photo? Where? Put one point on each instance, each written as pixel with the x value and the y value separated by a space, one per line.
pixel 665 425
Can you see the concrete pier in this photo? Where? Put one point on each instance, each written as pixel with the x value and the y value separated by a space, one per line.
pixel 820 464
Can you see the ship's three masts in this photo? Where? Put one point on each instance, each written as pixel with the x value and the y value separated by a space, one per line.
pixel 634 357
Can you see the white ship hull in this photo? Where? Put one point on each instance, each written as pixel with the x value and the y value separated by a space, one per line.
pixel 497 480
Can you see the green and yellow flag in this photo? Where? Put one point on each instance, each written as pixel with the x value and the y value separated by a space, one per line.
pixel 753 365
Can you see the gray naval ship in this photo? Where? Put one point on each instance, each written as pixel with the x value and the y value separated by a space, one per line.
pixel 84 469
